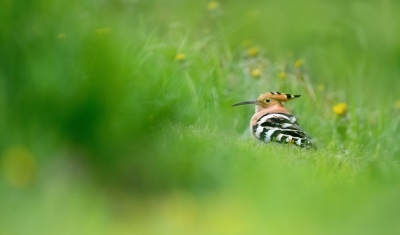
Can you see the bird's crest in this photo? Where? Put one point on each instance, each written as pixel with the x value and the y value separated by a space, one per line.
pixel 269 99
pixel 276 95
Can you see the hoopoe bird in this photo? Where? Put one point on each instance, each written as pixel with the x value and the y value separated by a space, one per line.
pixel 273 123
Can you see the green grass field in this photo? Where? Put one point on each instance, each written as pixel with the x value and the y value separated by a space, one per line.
pixel 116 117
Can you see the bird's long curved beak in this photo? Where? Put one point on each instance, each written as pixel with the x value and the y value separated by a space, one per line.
pixel 246 102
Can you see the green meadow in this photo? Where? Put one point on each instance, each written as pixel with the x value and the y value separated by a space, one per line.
pixel 116 117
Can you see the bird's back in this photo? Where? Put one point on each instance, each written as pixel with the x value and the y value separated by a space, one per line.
pixel 279 127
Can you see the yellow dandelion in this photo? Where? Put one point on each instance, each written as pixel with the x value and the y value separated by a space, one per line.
pixel 397 104
pixel 18 167
pixel 298 63
pixel 101 31
pixel 253 51
pixel 340 108
pixel 180 57
pixel 256 73
pixel 321 87
pixel 282 75
pixel 212 5
pixel 61 35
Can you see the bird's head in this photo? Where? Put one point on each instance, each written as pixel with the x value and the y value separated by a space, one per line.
pixel 268 100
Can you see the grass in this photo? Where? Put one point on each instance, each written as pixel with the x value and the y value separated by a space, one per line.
pixel 117 117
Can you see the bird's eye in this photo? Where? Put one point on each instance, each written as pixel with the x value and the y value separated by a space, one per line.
pixel 267 100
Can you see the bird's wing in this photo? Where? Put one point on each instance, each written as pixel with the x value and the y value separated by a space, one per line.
pixel 282 128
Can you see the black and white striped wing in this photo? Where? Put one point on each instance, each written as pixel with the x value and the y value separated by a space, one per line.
pixel 282 128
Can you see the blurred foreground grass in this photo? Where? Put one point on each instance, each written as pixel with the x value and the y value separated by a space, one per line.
pixel 116 117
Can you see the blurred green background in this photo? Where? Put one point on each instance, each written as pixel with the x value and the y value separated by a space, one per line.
pixel 116 117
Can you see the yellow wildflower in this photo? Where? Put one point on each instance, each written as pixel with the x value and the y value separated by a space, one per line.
pixel 321 87
pixel 61 35
pixel 180 57
pixel 298 63
pixel 253 51
pixel 18 167
pixel 212 5
pixel 397 104
pixel 256 73
pixel 282 75
pixel 340 108
pixel 103 31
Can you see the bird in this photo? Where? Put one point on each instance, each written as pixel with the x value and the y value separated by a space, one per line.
pixel 272 122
